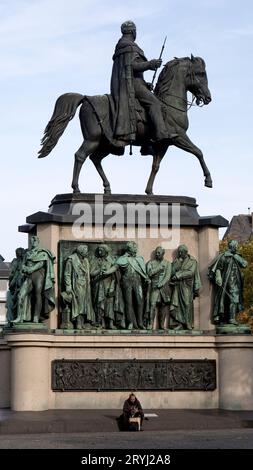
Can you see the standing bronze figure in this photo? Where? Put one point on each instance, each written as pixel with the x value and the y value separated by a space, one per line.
pixel 186 284
pixel 77 289
pixel 133 275
pixel 159 271
pixel 36 297
pixel 132 114
pixel 225 274
pixel 16 279
pixel 107 295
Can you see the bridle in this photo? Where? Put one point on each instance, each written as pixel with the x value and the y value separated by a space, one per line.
pixel 188 103
pixel 193 79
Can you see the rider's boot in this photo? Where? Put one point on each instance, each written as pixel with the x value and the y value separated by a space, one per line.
pixel 147 149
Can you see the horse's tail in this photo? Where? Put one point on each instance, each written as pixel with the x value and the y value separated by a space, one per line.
pixel 64 110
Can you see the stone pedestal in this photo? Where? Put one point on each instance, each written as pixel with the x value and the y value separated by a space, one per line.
pixel 32 357
pixel 235 372
pixel 29 375
pixel 199 370
pixel 5 368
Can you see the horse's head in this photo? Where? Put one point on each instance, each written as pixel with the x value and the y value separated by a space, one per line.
pixel 181 75
pixel 198 83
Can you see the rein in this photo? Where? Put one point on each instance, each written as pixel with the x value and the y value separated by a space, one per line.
pixel 188 103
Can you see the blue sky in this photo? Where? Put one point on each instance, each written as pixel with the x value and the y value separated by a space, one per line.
pixel 49 47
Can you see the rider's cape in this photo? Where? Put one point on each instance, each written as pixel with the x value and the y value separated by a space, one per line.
pixel 122 89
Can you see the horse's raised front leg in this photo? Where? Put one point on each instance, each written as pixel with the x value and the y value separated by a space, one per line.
pixel 184 143
pixel 82 153
pixel 96 159
pixel 158 156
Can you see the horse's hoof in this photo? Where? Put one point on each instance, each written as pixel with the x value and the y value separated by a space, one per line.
pixel 208 182
pixel 76 191
pixel 147 191
pixel 107 190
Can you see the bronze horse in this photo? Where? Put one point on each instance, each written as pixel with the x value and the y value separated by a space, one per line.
pixel 177 77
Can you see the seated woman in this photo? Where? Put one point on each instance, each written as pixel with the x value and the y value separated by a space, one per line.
pixel 132 409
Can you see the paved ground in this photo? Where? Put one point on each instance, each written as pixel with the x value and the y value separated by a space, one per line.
pixel 98 429
pixel 73 421
pixel 204 439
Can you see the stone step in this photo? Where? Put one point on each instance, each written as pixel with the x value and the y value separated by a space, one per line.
pixel 97 421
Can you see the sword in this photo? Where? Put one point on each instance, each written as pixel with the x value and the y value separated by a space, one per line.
pixel 160 56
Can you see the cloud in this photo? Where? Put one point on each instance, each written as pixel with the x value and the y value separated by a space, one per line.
pixel 49 34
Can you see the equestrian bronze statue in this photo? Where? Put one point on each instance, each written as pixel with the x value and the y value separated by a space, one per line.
pixel 133 114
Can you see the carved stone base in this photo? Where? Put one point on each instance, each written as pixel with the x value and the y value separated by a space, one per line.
pixel 29 326
pixel 185 332
pixel 104 332
pixel 233 330
pixel 101 332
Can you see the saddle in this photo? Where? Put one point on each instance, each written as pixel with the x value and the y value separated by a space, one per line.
pixel 103 108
